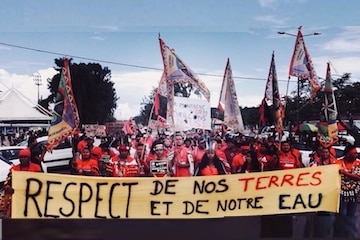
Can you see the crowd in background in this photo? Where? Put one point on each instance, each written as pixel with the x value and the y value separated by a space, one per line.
pixel 205 153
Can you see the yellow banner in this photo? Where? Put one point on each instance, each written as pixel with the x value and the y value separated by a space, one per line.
pixel 44 195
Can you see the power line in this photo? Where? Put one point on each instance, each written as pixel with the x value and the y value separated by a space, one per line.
pixel 119 63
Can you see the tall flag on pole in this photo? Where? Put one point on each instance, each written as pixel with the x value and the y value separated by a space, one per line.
pixel 177 71
pixel 301 65
pixel 228 102
pixel 327 127
pixel 271 108
pixel 65 117
pixel 160 103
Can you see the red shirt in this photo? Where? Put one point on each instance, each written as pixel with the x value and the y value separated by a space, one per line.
pixel 209 170
pixel 197 155
pixel 289 160
pixel 181 156
pixel 33 167
pixel 125 167
pixel 87 167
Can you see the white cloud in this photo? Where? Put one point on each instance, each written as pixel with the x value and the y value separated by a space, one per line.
pixel 270 19
pixel 131 88
pixel 267 3
pixel 97 37
pixel 339 66
pixel 25 83
pixel 346 41
pixel 109 28
pixel 274 3
pixel 2 47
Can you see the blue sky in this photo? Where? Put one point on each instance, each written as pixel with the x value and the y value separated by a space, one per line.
pixel 204 33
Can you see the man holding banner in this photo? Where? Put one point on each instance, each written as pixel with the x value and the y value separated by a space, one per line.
pixel 346 224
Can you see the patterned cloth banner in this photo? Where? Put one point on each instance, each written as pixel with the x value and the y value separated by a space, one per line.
pixel 177 71
pixel 65 117
pixel 228 102
pixel 52 196
pixel 278 109
pixel 301 65
pixel 327 127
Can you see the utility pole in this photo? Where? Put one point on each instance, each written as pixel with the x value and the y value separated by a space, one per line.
pixel 38 82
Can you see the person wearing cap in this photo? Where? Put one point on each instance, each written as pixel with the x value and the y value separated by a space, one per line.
pixel 25 162
pixel 24 165
pixel 347 219
pixel 123 165
pixel 210 164
pixel 85 141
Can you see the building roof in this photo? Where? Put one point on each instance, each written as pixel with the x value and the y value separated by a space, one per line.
pixel 14 106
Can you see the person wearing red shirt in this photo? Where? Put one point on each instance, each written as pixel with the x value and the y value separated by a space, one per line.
pixel 123 165
pixel 324 157
pixel 105 154
pixel 251 163
pixel 199 151
pixel 182 164
pixel 287 158
pixel 237 163
pixel 85 141
pixel 323 222
pixel 140 157
pixel 210 164
pixel 25 163
pixel 346 221
pixel 86 165
pixel 188 142
pixel 232 149
pixel 267 156
pixel 157 153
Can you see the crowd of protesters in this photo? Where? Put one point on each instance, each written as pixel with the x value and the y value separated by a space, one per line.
pixel 199 153
pixel 205 153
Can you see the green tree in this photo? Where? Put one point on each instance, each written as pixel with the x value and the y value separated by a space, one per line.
pixel 94 92
pixel 146 108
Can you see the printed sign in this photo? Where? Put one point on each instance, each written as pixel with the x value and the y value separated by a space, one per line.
pixel 158 166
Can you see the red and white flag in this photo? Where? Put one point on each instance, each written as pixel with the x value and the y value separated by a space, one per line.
pixel 301 65
pixel 228 102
